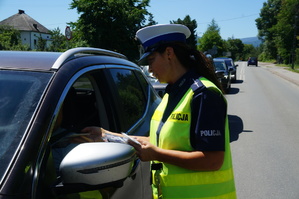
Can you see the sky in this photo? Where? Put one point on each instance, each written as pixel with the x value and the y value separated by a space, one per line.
pixel 235 18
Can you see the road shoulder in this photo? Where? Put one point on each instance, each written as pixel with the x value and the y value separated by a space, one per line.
pixel 282 72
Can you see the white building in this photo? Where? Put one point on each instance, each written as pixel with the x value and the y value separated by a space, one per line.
pixel 29 28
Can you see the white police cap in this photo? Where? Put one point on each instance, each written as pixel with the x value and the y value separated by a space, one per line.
pixel 151 36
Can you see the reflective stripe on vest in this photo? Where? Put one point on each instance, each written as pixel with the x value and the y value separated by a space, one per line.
pixel 177 182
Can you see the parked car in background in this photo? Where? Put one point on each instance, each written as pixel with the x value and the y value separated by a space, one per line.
pixel 223 73
pixel 252 61
pixel 159 87
pixel 232 66
pixel 91 87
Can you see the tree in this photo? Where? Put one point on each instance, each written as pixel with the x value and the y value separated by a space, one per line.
pixel 286 30
pixel 192 25
pixel 265 24
pixel 151 20
pixel 10 39
pixel 278 24
pixel 60 43
pixel 41 44
pixel 236 47
pixel 111 24
pixel 250 51
pixel 211 40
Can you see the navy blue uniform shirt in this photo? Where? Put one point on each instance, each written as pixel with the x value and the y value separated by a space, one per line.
pixel 208 113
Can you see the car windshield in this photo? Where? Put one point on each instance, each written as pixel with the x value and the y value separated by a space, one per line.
pixel 20 92
pixel 229 62
pixel 219 65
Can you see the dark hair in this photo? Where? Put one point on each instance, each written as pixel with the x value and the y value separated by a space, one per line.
pixel 192 59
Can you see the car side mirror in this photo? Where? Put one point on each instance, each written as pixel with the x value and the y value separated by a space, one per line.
pixel 219 74
pixel 236 65
pixel 92 166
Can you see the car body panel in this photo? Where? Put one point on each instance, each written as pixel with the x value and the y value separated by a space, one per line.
pixel 232 67
pixel 29 59
pixel 223 73
pixel 28 171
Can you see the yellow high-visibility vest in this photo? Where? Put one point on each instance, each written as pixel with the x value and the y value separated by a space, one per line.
pixel 177 182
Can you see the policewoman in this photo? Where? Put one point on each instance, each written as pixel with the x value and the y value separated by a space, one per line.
pixel 189 137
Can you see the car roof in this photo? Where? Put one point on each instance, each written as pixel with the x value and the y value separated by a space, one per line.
pixel 219 59
pixel 46 61
pixel 223 58
pixel 27 60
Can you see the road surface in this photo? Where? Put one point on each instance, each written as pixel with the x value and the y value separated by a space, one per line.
pixel 264 120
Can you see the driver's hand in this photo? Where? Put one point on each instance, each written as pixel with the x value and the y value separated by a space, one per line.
pixel 95 135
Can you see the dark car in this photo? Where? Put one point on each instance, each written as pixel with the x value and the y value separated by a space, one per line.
pixel 159 87
pixel 252 61
pixel 233 68
pixel 223 73
pixel 90 87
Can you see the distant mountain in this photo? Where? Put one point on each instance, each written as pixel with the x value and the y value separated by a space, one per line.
pixel 255 41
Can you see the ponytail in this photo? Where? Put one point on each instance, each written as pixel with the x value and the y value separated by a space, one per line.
pixel 193 59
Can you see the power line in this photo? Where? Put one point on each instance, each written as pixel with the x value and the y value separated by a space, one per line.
pixel 230 19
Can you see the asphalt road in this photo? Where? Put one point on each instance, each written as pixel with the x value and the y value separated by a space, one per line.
pixel 264 121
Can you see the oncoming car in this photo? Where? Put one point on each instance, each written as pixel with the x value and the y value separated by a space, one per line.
pixel 252 61
pixel 46 99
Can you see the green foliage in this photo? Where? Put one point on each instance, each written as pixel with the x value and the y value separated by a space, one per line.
pixel 192 25
pixel 151 20
pixel 10 39
pixel 58 43
pixel 268 18
pixel 278 26
pixel 236 47
pixel 61 44
pixel 265 24
pixel 41 44
pixel 284 29
pixel 211 41
pixel 250 51
pixel 111 24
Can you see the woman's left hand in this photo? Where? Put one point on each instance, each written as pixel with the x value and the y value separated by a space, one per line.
pixel 146 151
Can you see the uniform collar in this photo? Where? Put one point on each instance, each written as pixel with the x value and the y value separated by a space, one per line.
pixel 185 80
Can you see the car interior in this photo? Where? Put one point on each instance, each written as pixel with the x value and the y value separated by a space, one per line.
pixel 86 103
pixel 78 110
pixel 83 106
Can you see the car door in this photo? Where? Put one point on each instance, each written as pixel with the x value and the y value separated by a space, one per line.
pixel 116 98
pixel 131 99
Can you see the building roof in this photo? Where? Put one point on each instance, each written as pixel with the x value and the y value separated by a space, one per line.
pixel 21 21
